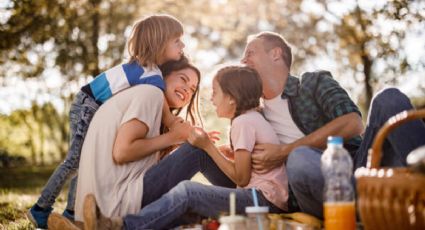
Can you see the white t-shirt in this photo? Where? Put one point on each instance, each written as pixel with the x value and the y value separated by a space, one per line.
pixel 276 111
pixel 118 189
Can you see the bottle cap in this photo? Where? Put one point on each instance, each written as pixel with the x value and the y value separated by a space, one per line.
pixel 335 140
pixel 257 209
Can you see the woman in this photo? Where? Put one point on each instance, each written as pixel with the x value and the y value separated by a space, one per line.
pixel 185 162
pixel 124 138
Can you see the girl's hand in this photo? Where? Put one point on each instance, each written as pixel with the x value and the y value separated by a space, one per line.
pixel 199 138
pixel 213 135
pixel 181 131
pixel 227 152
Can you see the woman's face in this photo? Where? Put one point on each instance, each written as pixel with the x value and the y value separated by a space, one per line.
pixel 224 105
pixel 181 85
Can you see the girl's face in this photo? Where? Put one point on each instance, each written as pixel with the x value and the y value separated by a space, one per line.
pixel 173 50
pixel 224 105
pixel 181 85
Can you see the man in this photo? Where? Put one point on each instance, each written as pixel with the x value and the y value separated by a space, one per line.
pixel 305 111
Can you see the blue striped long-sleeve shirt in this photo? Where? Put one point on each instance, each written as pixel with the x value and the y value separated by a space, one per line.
pixel 121 77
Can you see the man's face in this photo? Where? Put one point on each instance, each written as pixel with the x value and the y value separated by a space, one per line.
pixel 256 56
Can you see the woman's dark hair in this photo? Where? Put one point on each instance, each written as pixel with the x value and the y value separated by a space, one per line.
pixel 243 84
pixel 192 107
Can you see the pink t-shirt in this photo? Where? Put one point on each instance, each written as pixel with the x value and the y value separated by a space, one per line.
pixel 247 130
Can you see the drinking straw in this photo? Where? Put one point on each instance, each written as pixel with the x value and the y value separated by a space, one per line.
pixel 232 203
pixel 254 196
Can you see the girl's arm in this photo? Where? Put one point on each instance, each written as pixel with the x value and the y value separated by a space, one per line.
pixel 131 144
pixel 239 171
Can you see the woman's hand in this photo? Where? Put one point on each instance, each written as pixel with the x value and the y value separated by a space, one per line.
pixel 213 135
pixel 180 130
pixel 199 138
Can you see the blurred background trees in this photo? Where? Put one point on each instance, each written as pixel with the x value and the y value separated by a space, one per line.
pixel 48 49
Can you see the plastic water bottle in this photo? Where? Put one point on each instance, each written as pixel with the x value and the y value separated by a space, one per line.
pixel 337 168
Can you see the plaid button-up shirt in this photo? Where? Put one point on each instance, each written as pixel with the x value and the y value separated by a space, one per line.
pixel 313 101
pixel 317 99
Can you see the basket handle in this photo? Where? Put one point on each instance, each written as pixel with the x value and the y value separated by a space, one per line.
pixel 375 153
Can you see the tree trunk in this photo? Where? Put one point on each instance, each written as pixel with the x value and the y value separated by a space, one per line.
pixel 367 67
pixel 95 37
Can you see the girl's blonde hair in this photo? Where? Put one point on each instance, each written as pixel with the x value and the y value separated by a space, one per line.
pixel 149 38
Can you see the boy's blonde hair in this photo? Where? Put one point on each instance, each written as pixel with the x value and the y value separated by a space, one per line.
pixel 149 38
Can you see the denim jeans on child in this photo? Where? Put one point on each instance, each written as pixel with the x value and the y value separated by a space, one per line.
pixel 82 111
pixel 303 165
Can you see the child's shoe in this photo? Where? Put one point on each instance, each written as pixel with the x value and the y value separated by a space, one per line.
pixel 38 216
pixel 68 214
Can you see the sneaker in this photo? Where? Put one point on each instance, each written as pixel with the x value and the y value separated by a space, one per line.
pixel 59 222
pixel 93 218
pixel 68 214
pixel 38 216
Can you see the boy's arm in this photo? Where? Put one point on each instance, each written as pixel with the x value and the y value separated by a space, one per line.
pixel 168 118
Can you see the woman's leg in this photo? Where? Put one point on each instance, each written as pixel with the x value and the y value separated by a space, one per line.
pixel 401 141
pixel 181 165
pixel 205 200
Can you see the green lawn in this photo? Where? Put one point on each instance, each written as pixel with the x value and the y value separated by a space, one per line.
pixel 19 189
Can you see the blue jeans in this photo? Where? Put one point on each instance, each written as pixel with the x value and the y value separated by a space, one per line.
pixel 181 165
pixel 189 196
pixel 303 165
pixel 82 111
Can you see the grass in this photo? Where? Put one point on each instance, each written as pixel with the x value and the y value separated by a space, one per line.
pixel 19 190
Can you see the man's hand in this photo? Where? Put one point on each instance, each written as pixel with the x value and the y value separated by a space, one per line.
pixel 269 156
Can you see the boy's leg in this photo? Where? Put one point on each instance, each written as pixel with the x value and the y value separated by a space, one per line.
pixel 205 200
pixel 401 141
pixel 81 113
pixel 181 165
pixel 306 180
pixel 69 210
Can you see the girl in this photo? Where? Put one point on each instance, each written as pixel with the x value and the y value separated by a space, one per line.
pixel 236 94
pixel 153 41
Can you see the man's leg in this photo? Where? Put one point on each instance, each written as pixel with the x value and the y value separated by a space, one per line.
pixel 401 141
pixel 306 180
pixel 181 165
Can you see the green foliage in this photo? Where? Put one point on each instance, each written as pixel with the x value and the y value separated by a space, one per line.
pixel 40 133
pixel 81 38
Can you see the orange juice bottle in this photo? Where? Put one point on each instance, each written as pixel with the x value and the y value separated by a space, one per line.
pixel 337 169
pixel 340 215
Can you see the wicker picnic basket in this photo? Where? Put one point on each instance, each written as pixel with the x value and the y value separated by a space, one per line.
pixel 390 198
